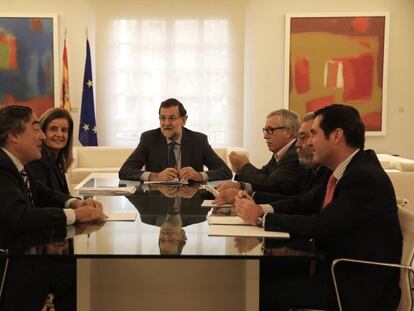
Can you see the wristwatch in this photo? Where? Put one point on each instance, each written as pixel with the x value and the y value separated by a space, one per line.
pixel 259 221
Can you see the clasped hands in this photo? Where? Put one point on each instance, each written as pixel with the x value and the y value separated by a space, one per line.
pixel 237 161
pixel 88 210
pixel 171 173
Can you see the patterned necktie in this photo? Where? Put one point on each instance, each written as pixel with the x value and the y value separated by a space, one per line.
pixel 27 186
pixel 172 162
pixel 330 188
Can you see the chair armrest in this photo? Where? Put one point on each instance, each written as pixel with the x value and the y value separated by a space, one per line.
pixel 373 263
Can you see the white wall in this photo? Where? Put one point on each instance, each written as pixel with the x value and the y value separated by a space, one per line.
pixel 264 68
pixel 263 54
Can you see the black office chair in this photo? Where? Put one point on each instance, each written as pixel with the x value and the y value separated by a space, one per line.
pixel 406 217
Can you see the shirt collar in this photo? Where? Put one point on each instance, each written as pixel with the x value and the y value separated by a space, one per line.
pixel 177 141
pixel 340 169
pixel 15 160
pixel 278 155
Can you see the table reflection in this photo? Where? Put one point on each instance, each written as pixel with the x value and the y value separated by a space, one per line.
pixel 170 222
pixel 36 265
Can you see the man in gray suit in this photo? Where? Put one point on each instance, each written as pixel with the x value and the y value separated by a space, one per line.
pixel 173 151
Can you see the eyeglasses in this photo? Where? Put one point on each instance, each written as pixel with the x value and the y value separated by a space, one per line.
pixel 270 130
pixel 170 118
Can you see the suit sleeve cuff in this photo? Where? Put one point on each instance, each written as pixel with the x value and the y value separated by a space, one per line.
pixel 70 216
pixel 267 208
pixel 204 175
pixel 68 202
pixel 248 188
pixel 144 176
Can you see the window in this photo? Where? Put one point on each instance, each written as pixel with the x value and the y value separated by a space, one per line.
pixel 155 59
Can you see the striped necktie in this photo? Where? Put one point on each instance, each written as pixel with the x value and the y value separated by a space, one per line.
pixel 27 186
pixel 172 162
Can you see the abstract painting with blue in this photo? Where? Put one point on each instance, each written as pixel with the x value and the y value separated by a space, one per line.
pixel 26 62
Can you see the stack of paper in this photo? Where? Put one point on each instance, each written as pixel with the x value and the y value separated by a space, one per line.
pixel 107 190
pixel 121 216
pixel 223 221
pixel 209 203
pixel 249 231
pixel 174 182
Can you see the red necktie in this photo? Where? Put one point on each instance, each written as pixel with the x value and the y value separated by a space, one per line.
pixel 330 188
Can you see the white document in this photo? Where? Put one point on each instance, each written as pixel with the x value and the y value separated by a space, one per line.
pixel 209 203
pixel 166 182
pixel 107 190
pixel 212 190
pixel 250 231
pixel 121 216
pixel 225 220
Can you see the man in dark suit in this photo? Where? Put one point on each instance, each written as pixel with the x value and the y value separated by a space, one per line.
pixel 315 172
pixel 173 151
pixel 26 203
pixel 282 174
pixel 352 215
pixel 285 173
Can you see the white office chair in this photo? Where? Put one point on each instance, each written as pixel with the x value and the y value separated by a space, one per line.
pixel 406 217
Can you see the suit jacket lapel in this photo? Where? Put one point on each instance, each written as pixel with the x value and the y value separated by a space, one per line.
pixel 162 151
pixel 8 163
pixel 185 149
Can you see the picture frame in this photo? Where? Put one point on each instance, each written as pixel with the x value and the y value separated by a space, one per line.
pixel 338 58
pixel 29 66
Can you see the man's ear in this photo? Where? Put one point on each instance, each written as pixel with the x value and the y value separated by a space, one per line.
pixel 12 138
pixel 338 135
pixel 185 120
pixel 289 133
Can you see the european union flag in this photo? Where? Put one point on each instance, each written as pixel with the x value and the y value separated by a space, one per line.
pixel 87 124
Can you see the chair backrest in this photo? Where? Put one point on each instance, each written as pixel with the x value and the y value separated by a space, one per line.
pixel 406 217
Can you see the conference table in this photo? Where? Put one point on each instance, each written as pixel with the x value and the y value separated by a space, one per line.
pixel 169 233
pixel 155 229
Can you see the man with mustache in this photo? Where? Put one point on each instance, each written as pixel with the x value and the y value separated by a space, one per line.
pixel 173 152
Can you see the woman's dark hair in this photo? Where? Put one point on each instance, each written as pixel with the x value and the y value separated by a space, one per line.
pixel 65 156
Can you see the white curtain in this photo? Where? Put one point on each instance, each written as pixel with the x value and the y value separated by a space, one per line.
pixel 143 60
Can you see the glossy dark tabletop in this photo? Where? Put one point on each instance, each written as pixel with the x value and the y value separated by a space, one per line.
pixel 170 222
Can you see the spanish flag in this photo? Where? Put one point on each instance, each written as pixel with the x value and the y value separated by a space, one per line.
pixel 64 93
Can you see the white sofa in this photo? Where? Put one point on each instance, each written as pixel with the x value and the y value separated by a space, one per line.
pixel 110 159
pixel 401 172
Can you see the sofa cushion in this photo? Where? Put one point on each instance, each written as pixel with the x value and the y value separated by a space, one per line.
pixel 80 173
pixel 102 156
pixel 110 159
